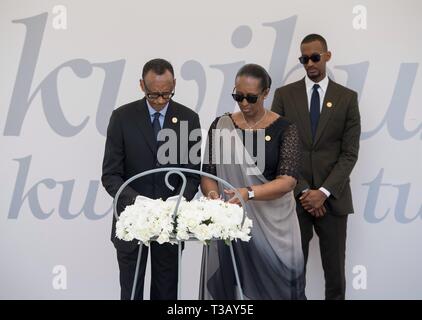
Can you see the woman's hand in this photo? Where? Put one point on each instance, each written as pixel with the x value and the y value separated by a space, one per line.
pixel 243 192
pixel 213 195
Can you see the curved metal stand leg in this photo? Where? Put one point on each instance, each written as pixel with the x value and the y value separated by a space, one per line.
pixel 236 273
pixel 179 269
pixel 135 280
pixel 178 171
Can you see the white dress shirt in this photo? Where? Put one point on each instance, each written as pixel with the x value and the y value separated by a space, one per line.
pixel 163 111
pixel 323 84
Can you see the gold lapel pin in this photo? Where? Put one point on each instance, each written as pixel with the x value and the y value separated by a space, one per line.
pixel 267 138
pixel 329 104
pixel 174 120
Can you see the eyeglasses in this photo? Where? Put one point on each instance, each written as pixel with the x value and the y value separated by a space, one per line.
pixel 156 95
pixel 315 57
pixel 250 98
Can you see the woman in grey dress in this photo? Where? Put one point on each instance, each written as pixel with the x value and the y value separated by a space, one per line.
pixel 257 152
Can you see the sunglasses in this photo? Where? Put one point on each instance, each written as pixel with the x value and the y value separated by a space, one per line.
pixel 315 57
pixel 249 98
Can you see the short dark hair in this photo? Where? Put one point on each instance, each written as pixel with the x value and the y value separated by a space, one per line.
pixel 158 66
pixel 258 72
pixel 315 37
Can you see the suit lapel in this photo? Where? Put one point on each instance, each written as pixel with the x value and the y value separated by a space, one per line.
pixel 330 99
pixel 171 121
pixel 300 98
pixel 145 125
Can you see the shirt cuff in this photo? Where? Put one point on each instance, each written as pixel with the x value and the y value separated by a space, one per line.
pixel 325 191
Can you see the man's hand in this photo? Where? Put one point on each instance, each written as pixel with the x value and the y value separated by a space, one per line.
pixel 318 212
pixel 313 202
pixel 234 199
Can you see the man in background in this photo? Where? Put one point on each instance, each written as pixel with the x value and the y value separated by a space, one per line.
pixel 328 120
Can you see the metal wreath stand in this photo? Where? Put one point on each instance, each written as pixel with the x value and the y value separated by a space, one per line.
pixel 178 171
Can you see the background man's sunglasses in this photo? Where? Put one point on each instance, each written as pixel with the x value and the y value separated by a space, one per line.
pixel 315 57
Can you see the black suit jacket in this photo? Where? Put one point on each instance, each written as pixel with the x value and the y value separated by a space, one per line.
pixel 131 148
pixel 330 158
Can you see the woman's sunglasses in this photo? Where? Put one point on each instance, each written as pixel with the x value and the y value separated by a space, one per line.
pixel 249 98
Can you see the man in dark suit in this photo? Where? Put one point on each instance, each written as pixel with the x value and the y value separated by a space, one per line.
pixel 328 120
pixel 132 145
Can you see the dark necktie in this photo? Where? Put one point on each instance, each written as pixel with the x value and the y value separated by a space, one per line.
pixel 156 124
pixel 314 110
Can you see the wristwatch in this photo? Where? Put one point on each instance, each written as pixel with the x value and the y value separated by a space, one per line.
pixel 251 193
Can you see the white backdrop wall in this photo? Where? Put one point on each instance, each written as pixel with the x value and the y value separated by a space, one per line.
pixel 65 65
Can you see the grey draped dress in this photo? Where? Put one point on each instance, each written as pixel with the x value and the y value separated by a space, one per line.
pixel 271 264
